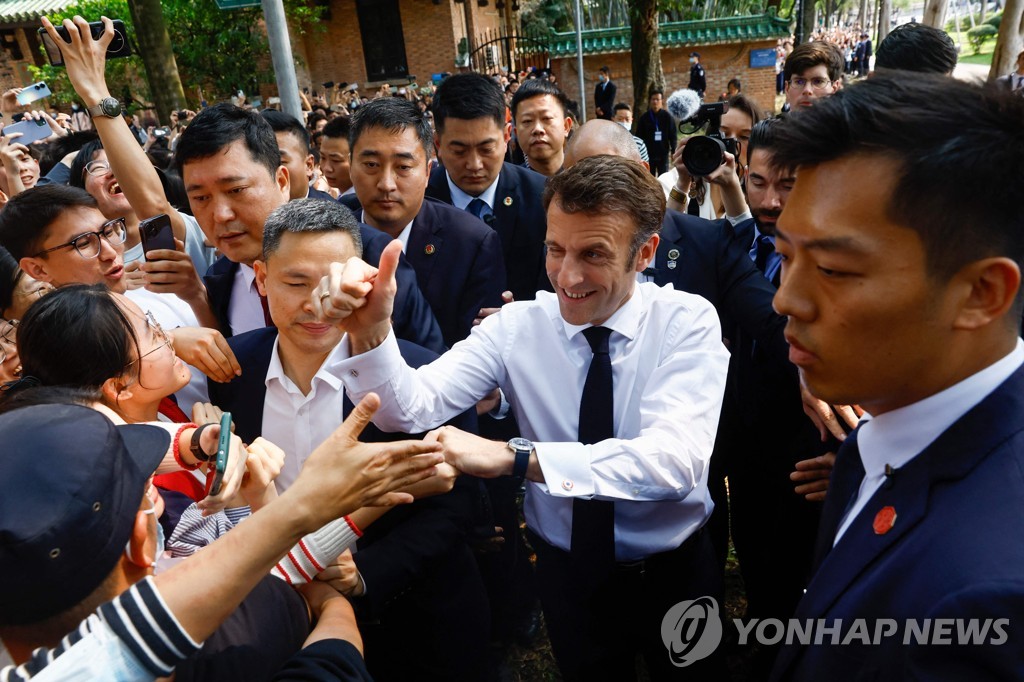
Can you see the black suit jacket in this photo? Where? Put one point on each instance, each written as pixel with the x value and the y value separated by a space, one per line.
pixel 422 544
pixel 412 317
pixel 703 257
pixel 314 193
pixel 458 262
pixel 954 551
pixel 521 224
pixel 604 99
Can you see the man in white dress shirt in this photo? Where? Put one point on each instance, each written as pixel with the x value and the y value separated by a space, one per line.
pixel 640 483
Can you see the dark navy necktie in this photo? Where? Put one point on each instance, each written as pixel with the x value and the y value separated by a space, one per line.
pixel 765 248
pixel 847 475
pixel 593 521
pixel 479 208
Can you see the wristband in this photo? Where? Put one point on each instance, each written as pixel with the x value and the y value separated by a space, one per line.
pixel 676 195
pixel 353 526
pixel 197 451
pixel 175 448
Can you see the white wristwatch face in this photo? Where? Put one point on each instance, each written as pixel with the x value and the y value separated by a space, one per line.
pixel 521 444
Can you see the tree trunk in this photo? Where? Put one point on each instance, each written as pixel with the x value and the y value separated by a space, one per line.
pixel 935 13
pixel 646 55
pixel 805 21
pixel 884 17
pixel 157 57
pixel 1010 40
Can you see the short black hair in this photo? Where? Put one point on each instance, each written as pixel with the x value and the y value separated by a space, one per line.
pixel 605 70
pixel 286 123
pixel 395 115
pixel 917 47
pixel 539 88
pixel 81 160
pixel 221 125
pixel 468 96
pixel 735 83
pixel 622 106
pixel 960 150
pixel 309 215
pixel 26 217
pixel 338 127
pixel 77 335
pixel 655 91
pixel 10 275
pixel 59 147
pixel 762 136
pixel 808 55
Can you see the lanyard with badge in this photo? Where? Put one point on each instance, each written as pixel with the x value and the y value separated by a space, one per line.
pixel 657 129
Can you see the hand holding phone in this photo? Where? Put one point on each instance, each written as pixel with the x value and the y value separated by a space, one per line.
pixel 32 93
pixel 30 130
pixel 221 462
pixel 156 233
pixel 118 47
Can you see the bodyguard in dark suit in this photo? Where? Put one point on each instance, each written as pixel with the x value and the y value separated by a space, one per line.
pixel 231 165
pixel 457 258
pixel 471 138
pixel 416 571
pixel 604 94
pixel 905 299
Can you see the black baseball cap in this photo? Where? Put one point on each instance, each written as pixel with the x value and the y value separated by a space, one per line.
pixel 71 483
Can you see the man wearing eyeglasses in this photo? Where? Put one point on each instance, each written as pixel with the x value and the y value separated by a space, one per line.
pixel 813 70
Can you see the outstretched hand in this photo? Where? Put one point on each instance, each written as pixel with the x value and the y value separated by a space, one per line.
pixel 344 474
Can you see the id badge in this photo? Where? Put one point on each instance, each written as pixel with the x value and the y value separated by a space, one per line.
pixel 657 136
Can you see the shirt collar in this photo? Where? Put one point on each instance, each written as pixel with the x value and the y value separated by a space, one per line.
pixel 247 274
pixel 896 437
pixel 625 320
pixel 461 200
pixel 403 236
pixel 275 372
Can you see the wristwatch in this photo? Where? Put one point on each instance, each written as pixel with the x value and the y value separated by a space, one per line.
pixel 108 106
pixel 523 449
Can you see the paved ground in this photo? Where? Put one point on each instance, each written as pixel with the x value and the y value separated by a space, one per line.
pixel 971 72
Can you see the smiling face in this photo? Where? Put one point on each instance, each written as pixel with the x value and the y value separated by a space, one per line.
pixel 26 168
pixel 472 151
pixel 231 195
pixel 541 128
pixel 288 278
pixel 588 263
pixel 158 371
pixel 105 190
pixel 867 325
pixel 65 265
pixel 389 172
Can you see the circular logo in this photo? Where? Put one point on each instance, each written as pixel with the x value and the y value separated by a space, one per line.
pixel 691 630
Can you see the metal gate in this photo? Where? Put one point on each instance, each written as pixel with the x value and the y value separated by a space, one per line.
pixel 495 51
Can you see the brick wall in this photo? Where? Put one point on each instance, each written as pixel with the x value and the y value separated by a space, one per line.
pixel 431 34
pixel 721 63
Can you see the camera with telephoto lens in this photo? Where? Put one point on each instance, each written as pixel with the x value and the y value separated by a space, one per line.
pixel 704 153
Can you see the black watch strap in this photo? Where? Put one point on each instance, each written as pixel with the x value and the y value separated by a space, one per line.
pixel 520 465
pixel 197 451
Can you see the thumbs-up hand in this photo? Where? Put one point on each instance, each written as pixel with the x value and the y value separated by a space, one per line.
pixel 360 298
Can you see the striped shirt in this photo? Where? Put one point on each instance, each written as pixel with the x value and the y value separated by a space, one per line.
pixel 133 637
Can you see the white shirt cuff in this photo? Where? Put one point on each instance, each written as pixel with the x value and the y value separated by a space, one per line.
pixel 566 468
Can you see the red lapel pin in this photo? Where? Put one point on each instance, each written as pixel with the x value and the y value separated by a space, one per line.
pixel 429 249
pixel 885 519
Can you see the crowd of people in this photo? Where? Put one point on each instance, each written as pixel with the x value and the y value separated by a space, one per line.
pixel 417 336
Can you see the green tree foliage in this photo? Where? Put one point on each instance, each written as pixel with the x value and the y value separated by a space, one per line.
pixel 220 51
pixel 979 34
